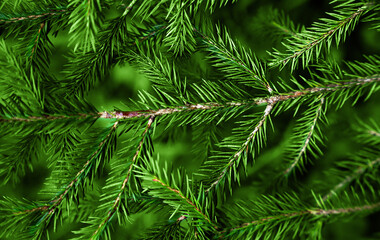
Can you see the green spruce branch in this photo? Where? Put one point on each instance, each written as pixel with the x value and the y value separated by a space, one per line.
pixel 321 34
pixel 307 92
pixel 116 205
pixel 351 177
pixel 301 214
pixel 208 92
pixel 307 136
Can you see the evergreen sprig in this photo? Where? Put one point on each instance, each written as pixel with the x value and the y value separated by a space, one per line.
pixel 308 44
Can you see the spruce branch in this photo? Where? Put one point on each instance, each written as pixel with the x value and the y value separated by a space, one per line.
pixel 20 83
pixel 368 133
pixel 350 178
pixel 181 195
pixel 115 207
pixel 313 212
pixel 307 45
pixel 244 147
pixel 101 164
pixel 37 39
pixel 284 24
pixel 307 128
pixel 285 215
pixel 162 73
pixel 59 161
pixel 184 195
pixel 171 230
pixel 54 206
pixel 49 12
pixel 156 30
pixel 84 171
pixel 241 64
pixel 306 92
pixel 276 24
pixel 96 63
pixel 85 19
pixel 22 20
pixel 13 165
pixel 179 37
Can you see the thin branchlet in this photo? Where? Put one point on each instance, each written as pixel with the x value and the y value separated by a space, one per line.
pixel 117 201
pixel 181 195
pixel 307 140
pixel 56 202
pixel 314 212
pixel 231 56
pixel 349 178
pixel 341 24
pixel 52 12
pixel 244 146
pixel 37 39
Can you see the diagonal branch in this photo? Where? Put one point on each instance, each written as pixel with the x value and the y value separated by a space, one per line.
pixel 244 146
pixel 325 35
pixel 307 140
pixel 116 203
pixel 181 195
pixel 234 59
pixel 37 39
pixel 51 208
pixel 82 172
pixel 315 36
pixel 348 179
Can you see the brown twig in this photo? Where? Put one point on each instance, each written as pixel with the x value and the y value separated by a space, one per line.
pixel 203 106
pixel 32 17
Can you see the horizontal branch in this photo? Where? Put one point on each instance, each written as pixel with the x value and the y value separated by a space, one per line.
pixel 315 212
pixel 202 106
pixel 374 133
pixel 52 12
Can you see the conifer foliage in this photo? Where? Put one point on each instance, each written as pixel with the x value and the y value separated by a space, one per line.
pixel 104 167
